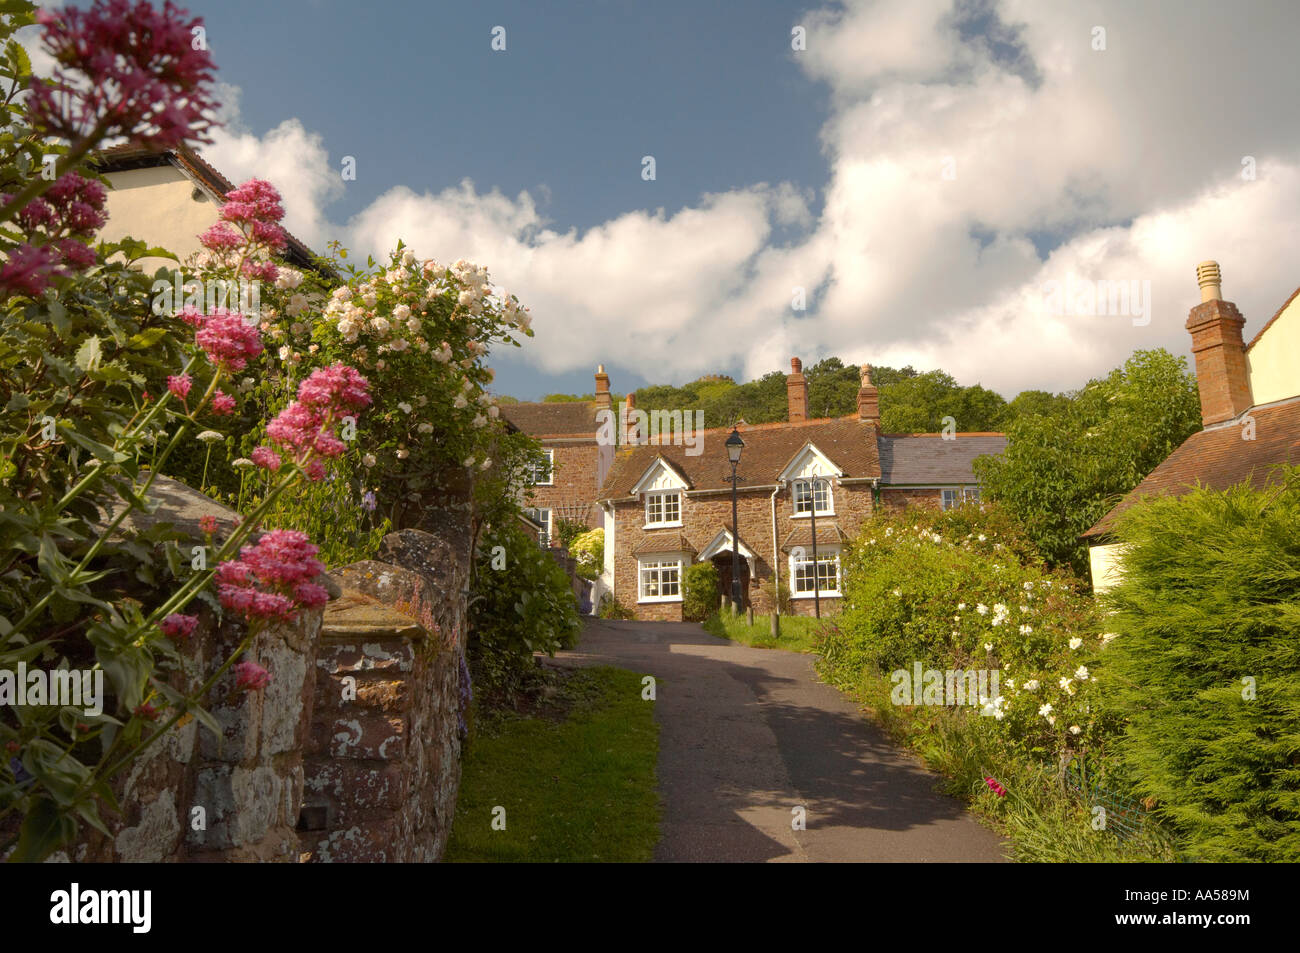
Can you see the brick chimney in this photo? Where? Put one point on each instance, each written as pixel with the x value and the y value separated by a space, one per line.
pixel 631 437
pixel 796 391
pixel 1215 326
pixel 868 398
pixel 603 400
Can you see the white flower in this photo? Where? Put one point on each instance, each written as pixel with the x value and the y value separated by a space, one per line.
pixel 1028 586
pixel 247 384
pixel 1081 673
pixel 210 436
pixel 285 351
pixel 1045 710
pixel 413 325
pixel 898 593
pixel 287 278
pixel 425 428
pixel 982 537
pixel 487 462
pixel 480 420
pixel 403 453
pixel 1024 608
pixel 1026 629
pixel 468 461
pixel 988 646
pixel 369 299
pixel 1031 685
pixel 401 312
pixel 297 305
pixel 889 531
pixel 401 344
pixel 243 463
pixel 961 607
pixel 404 407
pixel 494 412
pixel 368 460
pixel 1067 685
pixel 982 609
pixel 408 258
pixel 1107 636
pixel 460 402
pixel 380 325
pixel 1075 642
pixel 1075 729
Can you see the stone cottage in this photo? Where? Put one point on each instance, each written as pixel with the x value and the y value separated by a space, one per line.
pixel 1250 411
pixel 577 458
pixel 667 501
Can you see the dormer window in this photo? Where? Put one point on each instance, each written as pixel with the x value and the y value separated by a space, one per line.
pixel 810 493
pixel 663 508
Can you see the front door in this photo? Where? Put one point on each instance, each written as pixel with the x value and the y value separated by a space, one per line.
pixel 722 562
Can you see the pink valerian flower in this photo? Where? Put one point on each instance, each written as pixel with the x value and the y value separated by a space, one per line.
pixel 72 209
pixel 272 580
pixel 191 316
pixel 179 386
pixel 123 69
pixel 306 427
pixel 221 237
pixel 29 270
pixel 228 340
pixel 222 404
pixel 259 270
pixel 254 201
pixel 250 676
pixel 177 626
pixel 266 458
pixel 208 524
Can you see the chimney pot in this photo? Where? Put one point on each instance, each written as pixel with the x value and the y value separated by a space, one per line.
pixel 1208 277
pixel 796 392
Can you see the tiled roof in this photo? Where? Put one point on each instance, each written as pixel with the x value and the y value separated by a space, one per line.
pixel 927 459
pixel 1220 458
pixel 566 418
pixel 124 157
pixel 848 442
pixel 828 534
pixel 664 543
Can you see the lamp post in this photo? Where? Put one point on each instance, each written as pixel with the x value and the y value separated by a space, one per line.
pixel 812 513
pixel 734 446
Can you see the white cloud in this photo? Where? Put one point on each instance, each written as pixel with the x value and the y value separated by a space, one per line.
pixel 1133 154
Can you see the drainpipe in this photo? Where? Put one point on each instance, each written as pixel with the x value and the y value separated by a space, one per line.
pixel 776 555
pixel 875 494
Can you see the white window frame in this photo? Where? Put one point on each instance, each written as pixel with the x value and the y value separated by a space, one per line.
pixel 662 494
pixel 550 471
pixel 823 482
pixel 547 521
pixel 825 555
pixel 944 503
pixel 971 494
pixel 658 564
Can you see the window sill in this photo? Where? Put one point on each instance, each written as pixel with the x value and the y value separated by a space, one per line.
pixel 645 600
pixel 820 514
pixel 677 525
pixel 825 594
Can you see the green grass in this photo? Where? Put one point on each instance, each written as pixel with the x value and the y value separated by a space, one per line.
pixel 1044 822
pixel 796 631
pixel 576 776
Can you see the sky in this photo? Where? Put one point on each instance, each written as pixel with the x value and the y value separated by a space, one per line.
pixel 926 182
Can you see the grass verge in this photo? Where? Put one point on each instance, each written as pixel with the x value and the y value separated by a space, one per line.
pixel 574 770
pixel 796 631
pixel 1045 822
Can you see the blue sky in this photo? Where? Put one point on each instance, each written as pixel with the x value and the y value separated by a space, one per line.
pixel 925 170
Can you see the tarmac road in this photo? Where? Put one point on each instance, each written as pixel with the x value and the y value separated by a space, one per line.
pixel 747 735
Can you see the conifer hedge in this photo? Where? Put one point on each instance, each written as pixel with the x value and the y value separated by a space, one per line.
pixel 1205 665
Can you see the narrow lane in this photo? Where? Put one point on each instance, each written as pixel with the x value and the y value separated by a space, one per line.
pixel 748 735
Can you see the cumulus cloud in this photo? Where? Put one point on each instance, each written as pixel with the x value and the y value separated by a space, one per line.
pixel 976 151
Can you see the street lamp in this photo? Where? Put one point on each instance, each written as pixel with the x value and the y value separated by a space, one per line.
pixel 734 446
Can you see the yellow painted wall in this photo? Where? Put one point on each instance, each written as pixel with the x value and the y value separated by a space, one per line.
pixel 1106 563
pixel 1273 364
pixel 157 206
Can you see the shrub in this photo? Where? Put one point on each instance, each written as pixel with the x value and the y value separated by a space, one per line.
pixel 944 590
pixel 778 595
pixel 699 591
pixel 1206 665
pixel 611 608
pixel 524 607
pixel 589 550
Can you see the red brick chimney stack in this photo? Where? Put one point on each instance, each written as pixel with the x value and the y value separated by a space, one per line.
pixel 1215 326
pixel 796 391
pixel 631 436
pixel 868 398
pixel 603 400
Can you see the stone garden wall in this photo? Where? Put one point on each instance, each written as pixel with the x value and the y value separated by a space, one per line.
pixel 351 753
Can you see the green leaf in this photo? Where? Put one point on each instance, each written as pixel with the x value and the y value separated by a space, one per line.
pixel 89 354
pixel 102 452
pixel 146 338
pixel 44 831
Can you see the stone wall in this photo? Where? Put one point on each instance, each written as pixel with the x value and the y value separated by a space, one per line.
pixel 350 753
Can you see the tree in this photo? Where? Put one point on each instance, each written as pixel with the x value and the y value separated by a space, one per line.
pixel 1064 468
